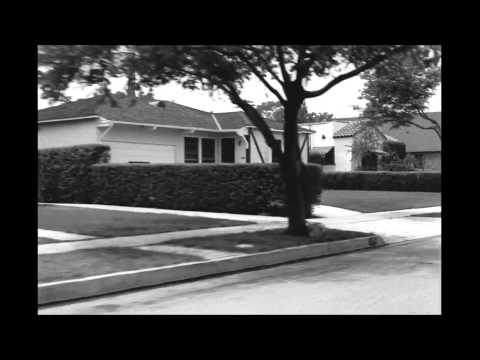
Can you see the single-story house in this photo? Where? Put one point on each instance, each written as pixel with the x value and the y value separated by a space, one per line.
pixel 153 131
pixel 425 145
pixel 334 140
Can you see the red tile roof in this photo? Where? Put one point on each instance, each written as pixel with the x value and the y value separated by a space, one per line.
pixel 350 129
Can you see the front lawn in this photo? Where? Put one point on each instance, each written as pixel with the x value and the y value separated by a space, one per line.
pixel 106 223
pixel 259 241
pixel 375 201
pixel 82 263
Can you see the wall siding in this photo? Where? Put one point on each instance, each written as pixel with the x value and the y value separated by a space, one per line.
pixel 67 133
pixel 343 154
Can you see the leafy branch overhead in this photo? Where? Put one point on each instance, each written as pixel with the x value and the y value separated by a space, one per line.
pixel 398 94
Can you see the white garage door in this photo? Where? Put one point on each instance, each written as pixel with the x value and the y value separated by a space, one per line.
pixel 130 152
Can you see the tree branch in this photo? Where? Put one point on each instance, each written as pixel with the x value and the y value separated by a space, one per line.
pixel 267 66
pixel 256 119
pixel 281 61
pixel 262 79
pixel 370 64
pixel 426 117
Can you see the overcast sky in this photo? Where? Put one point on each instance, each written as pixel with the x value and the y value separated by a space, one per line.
pixel 338 101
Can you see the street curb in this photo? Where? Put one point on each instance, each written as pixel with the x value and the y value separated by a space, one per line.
pixel 127 280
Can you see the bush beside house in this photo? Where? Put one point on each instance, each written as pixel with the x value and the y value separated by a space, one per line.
pixel 63 172
pixel 382 180
pixel 67 175
pixel 245 188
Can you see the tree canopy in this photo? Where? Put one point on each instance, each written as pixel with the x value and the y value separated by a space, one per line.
pixel 274 110
pixel 398 94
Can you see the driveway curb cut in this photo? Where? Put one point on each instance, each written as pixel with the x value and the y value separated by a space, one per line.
pixel 128 280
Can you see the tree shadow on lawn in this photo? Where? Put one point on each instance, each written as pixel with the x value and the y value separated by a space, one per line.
pixel 259 241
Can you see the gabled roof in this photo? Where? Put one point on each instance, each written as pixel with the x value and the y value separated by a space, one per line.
pixel 145 112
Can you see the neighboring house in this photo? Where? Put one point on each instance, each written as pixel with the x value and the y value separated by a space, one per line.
pixel 334 141
pixel 425 145
pixel 169 133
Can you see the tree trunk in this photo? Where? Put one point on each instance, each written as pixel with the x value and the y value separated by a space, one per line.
pixel 292 173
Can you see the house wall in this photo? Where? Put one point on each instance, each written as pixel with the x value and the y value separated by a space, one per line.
pixel 430 160
pixel 136 136
pixel 316 139
pixel 343 154
pixel 433 161
pixel 67 133
pixel 265 149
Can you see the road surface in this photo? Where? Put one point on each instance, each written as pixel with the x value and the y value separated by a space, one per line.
pixel 403 278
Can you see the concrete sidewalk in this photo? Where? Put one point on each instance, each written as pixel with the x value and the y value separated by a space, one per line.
pixel 394 226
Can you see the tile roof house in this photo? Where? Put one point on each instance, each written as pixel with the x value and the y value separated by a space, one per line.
pixel 334 139
pixel 155 131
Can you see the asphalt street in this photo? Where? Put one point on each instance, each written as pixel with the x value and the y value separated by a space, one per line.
pixel 401 278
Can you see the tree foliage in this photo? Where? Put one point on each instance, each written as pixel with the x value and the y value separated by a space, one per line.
pixel 398 93
pixel 274 110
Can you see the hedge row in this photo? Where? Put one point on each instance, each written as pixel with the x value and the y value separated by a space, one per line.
pixel 63 173
pixel 239 188
pixel 377 180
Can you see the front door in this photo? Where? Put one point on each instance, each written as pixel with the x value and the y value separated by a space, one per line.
pixel 228 150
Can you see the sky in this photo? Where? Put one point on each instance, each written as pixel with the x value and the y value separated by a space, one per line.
pixel 338 101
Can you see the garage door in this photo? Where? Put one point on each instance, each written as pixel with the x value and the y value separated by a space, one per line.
pixel 130 152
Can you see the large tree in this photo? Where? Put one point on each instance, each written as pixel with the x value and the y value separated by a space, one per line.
pixel 274 110
pixel 283 70
pixel 398 94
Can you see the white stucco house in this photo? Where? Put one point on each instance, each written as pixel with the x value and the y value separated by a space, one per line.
pixel 155 131
pixel 334 140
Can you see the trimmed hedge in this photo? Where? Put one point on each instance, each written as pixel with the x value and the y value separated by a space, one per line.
pixel 379 180
pixel 239 188
pixel 63 172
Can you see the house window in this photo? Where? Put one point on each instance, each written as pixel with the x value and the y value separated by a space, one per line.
pixel 228 150
pixel 191 150
pixel 329 158
pixel 208 150
pixel 275 159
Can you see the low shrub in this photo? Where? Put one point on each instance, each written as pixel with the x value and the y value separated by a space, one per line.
pixel 382 180
pixel 63 172
pixel 239 188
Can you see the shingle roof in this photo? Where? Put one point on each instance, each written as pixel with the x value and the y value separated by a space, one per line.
pixel 79 108
pixel 416 139
pixel 238 119
pixel 171 114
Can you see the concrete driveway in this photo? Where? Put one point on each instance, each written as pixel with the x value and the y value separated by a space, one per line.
pixel 402 278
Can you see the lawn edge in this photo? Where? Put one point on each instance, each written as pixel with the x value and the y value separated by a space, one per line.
pixel 127 280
